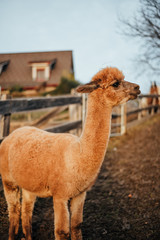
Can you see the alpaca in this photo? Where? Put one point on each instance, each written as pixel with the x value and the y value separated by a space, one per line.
pixel 61 165
pixel 153 101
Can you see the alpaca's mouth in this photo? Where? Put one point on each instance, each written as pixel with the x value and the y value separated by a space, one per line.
pixel 135 94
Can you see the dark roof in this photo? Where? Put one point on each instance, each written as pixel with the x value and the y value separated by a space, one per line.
pixel 19 70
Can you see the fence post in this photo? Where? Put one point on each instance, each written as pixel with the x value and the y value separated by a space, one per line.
pixel 153 103
pixel 75 112
pixel 5 129
pixel 139 107
pixel 84 108
pixel 123 119
pixel 1 117
pixel 6 126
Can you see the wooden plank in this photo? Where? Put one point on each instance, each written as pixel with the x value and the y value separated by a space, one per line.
pixel 84 107
pixel 6 118
pixel 115 135
pixel 65 127
pixel 149 96
pixel 142 109
pixel 41 121
pixel 114 115
pixel 6 127
pixel 29 104
pixel 123 118
pixel 113 125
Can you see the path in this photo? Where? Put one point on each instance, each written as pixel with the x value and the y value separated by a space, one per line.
pixel 125 201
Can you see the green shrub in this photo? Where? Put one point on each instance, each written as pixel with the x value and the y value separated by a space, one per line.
pixel 64 87
pixel 16 88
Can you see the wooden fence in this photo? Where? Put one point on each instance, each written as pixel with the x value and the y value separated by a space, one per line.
pixel 10 106
pixel 140 113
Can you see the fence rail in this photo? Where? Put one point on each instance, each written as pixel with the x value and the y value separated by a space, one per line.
pixel 149 95
pixel 65 127
pixel 9 106
pixel 142 109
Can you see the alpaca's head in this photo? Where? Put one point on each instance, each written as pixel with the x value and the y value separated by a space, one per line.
pixel 110 83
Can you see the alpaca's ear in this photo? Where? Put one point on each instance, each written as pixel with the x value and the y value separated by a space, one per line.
pixel 88 88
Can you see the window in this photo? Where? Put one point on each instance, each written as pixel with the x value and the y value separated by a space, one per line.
pixel 41 75
pixel 3 66
pixel 41 70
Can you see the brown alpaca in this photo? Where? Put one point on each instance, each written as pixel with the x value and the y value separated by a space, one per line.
pixel 153 101
pixel 61 165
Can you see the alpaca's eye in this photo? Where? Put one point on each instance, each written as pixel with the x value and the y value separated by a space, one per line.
pixel 116 84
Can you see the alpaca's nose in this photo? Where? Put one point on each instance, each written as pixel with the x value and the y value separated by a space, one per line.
pixel 136 87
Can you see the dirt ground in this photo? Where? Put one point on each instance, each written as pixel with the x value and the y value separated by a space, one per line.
pixel 125 201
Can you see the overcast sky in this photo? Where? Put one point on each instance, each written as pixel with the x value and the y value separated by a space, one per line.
pixel 88 27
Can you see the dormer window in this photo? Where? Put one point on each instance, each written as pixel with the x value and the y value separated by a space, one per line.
pixel 4 66
pixel 41 75
pixel 41 70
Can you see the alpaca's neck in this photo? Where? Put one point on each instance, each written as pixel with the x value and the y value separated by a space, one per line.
pixel 95 135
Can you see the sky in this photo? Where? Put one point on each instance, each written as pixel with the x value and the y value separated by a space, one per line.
pixel 90 28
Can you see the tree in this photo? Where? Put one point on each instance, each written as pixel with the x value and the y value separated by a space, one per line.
pixel 145 26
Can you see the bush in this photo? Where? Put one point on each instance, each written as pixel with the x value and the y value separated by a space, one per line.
pixel 64 87
pixel 15 88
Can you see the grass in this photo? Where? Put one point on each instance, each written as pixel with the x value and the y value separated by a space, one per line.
pixel 116 141
pixel 24 116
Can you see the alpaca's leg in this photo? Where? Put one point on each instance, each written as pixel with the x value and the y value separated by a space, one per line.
pixel 76 208
pixel 28 200
pixel 12 194
pixel 61 219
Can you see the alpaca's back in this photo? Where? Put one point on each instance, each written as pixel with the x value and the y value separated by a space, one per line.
pixel 29 156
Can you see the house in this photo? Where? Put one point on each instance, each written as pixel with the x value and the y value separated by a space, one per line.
pixel 33 69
